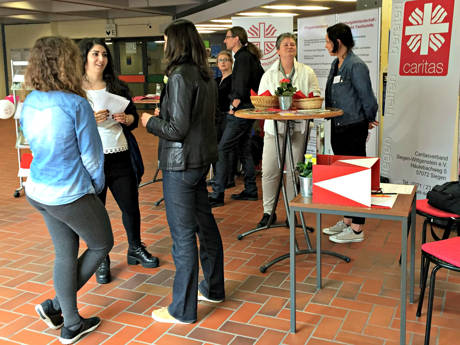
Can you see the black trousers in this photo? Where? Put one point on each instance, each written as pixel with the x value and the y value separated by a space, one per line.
pixel 350 140
pixel 120 179
pixel 236 137
pixel 232 156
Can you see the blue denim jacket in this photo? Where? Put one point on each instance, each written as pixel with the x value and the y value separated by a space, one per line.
pixel 353 94
pixel 68 158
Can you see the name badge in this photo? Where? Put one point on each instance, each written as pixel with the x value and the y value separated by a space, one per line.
pixel 337 79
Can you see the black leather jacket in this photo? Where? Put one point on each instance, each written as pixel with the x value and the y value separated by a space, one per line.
pixel 186 123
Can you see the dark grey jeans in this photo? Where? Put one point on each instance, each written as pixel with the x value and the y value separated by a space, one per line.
pixel 85 218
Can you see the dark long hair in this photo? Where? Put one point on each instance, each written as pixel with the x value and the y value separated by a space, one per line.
pixel 114 85
pixel 54 66
pixel 184 45
pixel 241 33
pixel 342 32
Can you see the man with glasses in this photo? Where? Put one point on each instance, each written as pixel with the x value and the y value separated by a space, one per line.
pixel 246 75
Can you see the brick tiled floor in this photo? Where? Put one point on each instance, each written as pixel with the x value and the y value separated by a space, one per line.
pixel 358 305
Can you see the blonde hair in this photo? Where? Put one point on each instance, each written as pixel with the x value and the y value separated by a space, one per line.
pixel 226 52
pixel 55 65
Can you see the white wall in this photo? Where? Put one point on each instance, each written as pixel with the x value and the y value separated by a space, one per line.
pixel 24 36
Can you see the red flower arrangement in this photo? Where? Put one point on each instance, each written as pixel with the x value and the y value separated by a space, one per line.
pixel 285 88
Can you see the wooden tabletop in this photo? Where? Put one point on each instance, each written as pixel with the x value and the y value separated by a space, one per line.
pixel 300 114
pixel 401 208
pixel 147 101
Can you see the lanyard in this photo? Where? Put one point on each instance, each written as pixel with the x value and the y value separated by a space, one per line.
pixel 290 76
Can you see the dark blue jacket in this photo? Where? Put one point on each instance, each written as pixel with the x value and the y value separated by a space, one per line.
pixel 353 94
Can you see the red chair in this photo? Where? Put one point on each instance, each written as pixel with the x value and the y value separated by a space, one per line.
pixel 436 218
pixel 444 254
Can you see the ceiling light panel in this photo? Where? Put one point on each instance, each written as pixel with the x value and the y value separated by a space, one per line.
pixel 298 8
pixel 221 21
pixel 267 14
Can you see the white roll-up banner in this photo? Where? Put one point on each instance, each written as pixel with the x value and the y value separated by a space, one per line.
pixel 421 104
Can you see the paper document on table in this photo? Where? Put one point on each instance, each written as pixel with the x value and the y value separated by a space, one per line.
pixel 383 200
pixel 396 188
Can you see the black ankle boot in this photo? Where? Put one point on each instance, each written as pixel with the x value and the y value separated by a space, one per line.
pixel 103 271
pixel 140 255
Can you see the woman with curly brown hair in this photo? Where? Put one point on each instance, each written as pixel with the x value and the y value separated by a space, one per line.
pixel 66 175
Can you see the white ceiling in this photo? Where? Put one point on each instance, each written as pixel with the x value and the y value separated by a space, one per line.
pixel 199 11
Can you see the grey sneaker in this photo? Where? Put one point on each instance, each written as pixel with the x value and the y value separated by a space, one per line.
pixel 347 236
pixel 335 229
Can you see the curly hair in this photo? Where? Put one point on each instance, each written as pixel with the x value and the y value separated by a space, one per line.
pixel 54 65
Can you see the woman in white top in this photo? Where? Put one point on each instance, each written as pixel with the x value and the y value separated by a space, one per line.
pixel 119 146
pixel 304 79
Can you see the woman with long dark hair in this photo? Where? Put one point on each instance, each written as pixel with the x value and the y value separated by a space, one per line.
pixel 348 88
pixel 65 175
pixel 122 174
pixel 187 147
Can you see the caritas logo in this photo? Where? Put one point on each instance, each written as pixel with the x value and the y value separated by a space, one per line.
pixel 425 45
pixel 264 36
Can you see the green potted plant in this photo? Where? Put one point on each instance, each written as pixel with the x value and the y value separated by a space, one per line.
pixel 284 93
pixel 305 170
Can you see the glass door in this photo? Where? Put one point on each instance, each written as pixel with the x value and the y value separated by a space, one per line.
pixel 131 65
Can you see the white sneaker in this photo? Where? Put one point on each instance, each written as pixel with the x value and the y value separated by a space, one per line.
pixel 347 236
pixel 335 229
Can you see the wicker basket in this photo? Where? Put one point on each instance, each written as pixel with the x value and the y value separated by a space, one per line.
pixel 308 103
pixel 265 101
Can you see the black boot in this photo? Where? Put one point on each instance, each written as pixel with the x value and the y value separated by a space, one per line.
pixel 244 195
pixel 265 218
pixel 216 199
pixel 140 255
pixel 103 271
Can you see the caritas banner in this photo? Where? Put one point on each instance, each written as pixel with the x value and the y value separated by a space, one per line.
pixel 420 127
pixel 263 31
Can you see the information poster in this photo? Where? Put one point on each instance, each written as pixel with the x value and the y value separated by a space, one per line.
pixel 365 26
pixel 421 106
pixel 312 52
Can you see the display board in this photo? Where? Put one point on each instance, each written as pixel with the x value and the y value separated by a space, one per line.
pixel 419 144
pixel 365 26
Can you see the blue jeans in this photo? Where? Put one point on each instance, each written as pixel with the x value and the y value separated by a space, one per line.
pixel 236 137
pixel 189 214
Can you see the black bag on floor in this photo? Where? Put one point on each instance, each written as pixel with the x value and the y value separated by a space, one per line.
pixel 446 197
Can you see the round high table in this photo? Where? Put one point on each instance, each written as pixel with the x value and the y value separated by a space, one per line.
pixel 288 116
